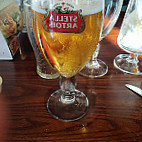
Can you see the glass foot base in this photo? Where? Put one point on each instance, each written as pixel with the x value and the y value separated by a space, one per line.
pixel 127 64
pixel 69 108
pixel 95 68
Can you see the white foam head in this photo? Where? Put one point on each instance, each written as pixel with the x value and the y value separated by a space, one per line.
pixel 88 7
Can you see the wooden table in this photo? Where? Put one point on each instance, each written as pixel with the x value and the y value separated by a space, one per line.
pixel 115 113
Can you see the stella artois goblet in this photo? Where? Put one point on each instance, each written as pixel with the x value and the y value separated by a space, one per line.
pixel 65 32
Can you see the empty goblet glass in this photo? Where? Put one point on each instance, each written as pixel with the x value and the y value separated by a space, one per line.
pixel 96 67
pixel 129 39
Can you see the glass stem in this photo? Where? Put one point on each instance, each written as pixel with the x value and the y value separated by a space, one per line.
pixel 96 53
pixel 136 61
pixel 94 62
pixel 133 59
pixel 67 86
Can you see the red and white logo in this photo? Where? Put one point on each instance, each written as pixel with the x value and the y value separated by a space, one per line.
pixel 62 19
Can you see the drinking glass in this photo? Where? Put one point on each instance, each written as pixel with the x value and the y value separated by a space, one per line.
pixel 22 30
pixel 43 68
pixel 65 31
pixel 21 7
pixel 129 39
pixel 96 67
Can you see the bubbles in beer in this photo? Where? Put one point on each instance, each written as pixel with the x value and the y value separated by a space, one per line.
pixel 60 36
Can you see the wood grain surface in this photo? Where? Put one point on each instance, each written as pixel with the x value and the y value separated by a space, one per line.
pixel 115 113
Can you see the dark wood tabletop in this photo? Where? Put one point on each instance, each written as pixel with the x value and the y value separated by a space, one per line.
pixel 115 113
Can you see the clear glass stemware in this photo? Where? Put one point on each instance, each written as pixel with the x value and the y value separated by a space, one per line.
pixel 129 39
pixel 96 67
pixel 64 31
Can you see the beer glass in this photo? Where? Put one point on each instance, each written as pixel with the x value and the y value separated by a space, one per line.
pixel 96 67
pixel 43 68
pixel 65 31
pixel 130 39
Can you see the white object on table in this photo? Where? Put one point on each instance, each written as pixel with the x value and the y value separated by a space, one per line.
pixel 5 53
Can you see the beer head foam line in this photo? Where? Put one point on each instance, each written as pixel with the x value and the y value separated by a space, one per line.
pixel 88 7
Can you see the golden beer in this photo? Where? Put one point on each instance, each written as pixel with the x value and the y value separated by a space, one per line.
pixel 68 52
